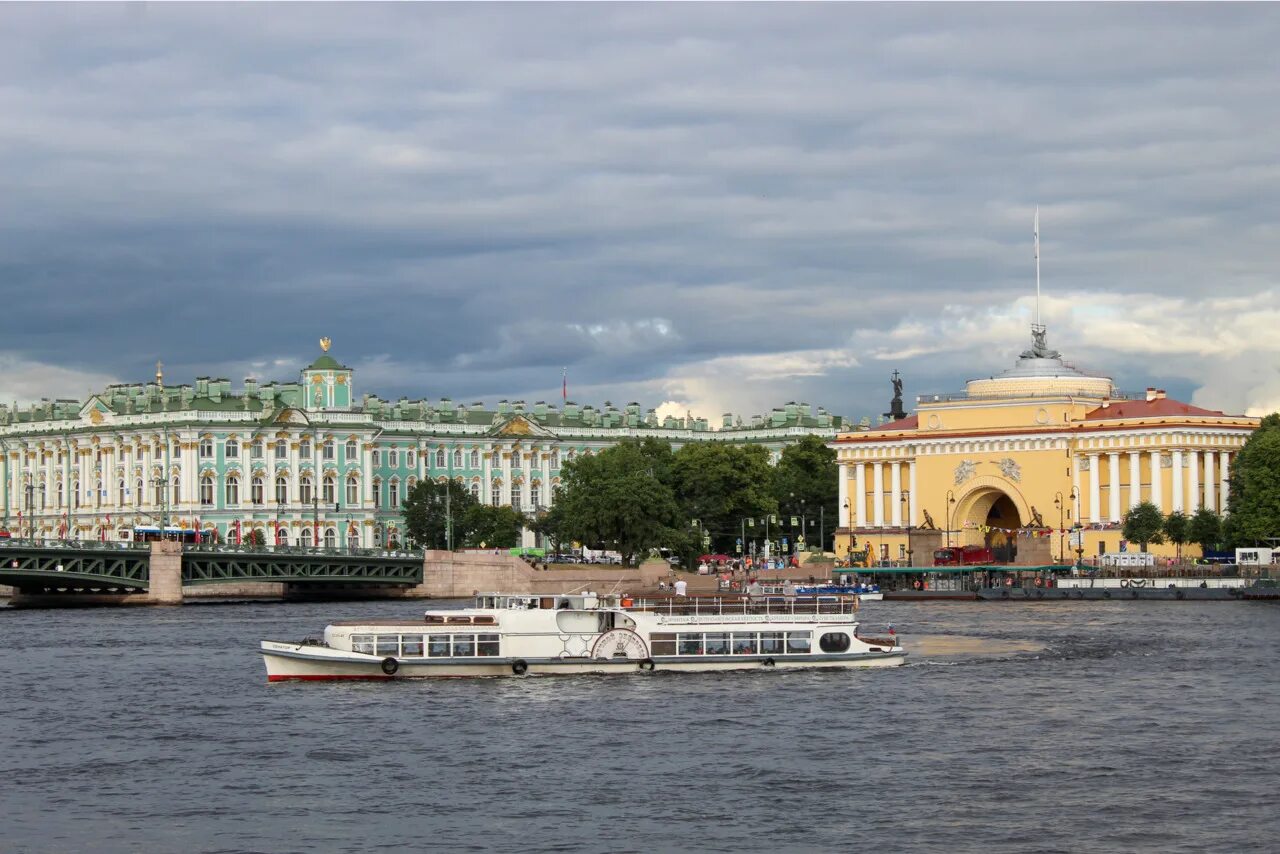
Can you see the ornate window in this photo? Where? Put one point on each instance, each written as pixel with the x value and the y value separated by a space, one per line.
pixel 377 493
pixel 393 495
pixel 457 458
pixel 304 449
pixel 535 495
pixel 120 491
pixel 75 493
pixel 329 451
pixel 282 537
pixel 304 489
pixel 98 494
pixel 377 458
pixel 330 538
pixel 496 458
pixel 206 491
pixel 353 537
pixel 515 498
pixel 409 459
pixel 255 490
pixel 409 485
pixel 495 494
pixel 233 491
pixel 393 458
pixel 353 491
pixel 515 458
pixel 282 490
pixel 475 459
pixel 440 458
pixel 206 449
pixel 475 491
pixel 159 492
pixel 305 538
pixel 328 495
pixel 352 450
pixel 232 449
pixel 282 449
pixel 555 458
pixel 572 453
pixel 255 450
pixel 139 493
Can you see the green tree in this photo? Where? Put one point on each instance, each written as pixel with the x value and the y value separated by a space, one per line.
pixel 615 499
pixel 806 482
pixel 1175 529
pixel 494 527
pixel 1205 528
pixel 427 511
pixel 720 485
pixel 1254 493
pixel 1144 524
pixel 255 538
pixel 550 523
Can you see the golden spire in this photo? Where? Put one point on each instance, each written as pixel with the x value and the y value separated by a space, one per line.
pixel 159 373
pixel 324 344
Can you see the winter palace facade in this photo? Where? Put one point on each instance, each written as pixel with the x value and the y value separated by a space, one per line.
pixel 307 462
pixel 1041 450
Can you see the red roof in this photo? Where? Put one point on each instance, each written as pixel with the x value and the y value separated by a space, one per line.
pixel 1160 407
pixel 911 422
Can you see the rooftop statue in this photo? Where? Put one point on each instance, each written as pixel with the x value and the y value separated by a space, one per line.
pixel 1039 349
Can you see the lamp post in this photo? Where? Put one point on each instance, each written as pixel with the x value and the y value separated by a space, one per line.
pixel 1076 530
pixel 162 486
pixel 951 500
pixel 1057 502
pixel 906 501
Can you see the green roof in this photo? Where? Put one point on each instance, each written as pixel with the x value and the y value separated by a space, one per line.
pixel 326 363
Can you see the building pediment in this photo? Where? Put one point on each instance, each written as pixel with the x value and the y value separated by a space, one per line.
pixel 518 425
pixel 289 415
pixel 96 411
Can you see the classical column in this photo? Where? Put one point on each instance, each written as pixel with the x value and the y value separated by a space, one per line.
pixel 1209 497
pixel 912 500
pixel 506 476
pixel 1113 490
pixel 1193 482
pixel 877 494
pixel 843 502
pixel 486 474
pixel 895 493
pixel 546 478
pixel 860 496
pixel 366 473
pixel 1225 474
pixel 1095 490
pixel 1075 482
pixel 1178 493
pixel 1135 478
pixel 1157 480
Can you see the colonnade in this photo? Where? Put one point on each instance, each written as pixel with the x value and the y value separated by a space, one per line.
pixel 1204 483
pixel 853 509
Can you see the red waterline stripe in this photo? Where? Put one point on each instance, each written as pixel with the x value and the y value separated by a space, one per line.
pixel 318 678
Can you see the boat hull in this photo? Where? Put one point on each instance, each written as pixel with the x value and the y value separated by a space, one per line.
pixel 292 662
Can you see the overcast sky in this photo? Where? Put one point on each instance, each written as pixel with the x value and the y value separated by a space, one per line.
pixel 719 207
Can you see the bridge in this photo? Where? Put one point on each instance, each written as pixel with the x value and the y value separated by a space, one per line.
pixel 157 573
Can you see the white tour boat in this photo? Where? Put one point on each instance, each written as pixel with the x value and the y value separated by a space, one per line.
pixel 515 635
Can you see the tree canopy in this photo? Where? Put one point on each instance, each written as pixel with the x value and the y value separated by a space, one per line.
pixel 1254 494
pixel 1205 528
pixel 1144 524
pixel 806 482
pixel 1176 529
pixel 720 485
pixel 427 512
pixel 493 527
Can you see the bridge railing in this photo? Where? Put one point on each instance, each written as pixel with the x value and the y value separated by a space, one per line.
pixel 321 551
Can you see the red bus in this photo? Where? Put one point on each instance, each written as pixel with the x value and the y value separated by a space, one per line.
pixel 962 556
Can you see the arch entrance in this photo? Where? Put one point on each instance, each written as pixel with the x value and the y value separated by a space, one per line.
pixel 987 514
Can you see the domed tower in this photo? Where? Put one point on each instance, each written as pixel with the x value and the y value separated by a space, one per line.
pixel 327 382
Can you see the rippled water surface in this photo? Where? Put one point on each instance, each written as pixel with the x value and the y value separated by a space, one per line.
pixel 1139 727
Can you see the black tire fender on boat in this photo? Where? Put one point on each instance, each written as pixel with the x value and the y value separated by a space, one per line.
pixel 1234 592
pixel 519 667
pixel 1178 594
pixel 646 664
pixel 1133 593
pixel 768 662
pixel 1004 594
pixel 1079 593
pixel 1066 594
pixel 1039 594
pixel 1106 594
pixel 390 666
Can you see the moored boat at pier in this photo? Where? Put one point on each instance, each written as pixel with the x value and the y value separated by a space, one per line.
pixel 515 635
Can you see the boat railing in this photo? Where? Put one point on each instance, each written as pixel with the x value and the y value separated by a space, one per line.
pixel 751 607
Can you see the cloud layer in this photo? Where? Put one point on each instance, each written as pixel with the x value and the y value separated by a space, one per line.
pixel 706 206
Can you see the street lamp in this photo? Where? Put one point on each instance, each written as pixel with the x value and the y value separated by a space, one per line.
pixel 1076 531
pixel 161 485
pixel 951 500
pixel 1057 502
pixel 906 500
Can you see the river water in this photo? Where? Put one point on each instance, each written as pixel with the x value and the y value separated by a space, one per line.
pixel 1134 727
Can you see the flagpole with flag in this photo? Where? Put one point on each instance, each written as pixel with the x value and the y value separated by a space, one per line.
pixel 564 386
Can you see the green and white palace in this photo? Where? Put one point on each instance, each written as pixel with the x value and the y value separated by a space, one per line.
pixel 308 463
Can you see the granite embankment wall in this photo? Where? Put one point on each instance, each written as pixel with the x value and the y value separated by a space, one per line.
pixel 455 575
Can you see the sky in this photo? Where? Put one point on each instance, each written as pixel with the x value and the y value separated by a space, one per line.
pixel 703 208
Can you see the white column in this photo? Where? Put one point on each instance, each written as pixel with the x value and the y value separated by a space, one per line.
pixel 1076 518
pixel 877 494
pixel 1193 482
pixel 913 500
pixel 895 494
pixel 1113 490
pixel 1178 493
pixel 506 476
pixel 486 475
pixel 1157 480
pixel 860 495
pixel 546 477
pixel 1095 490
pixel 366 473
pixel 295 473
pixel 1225 473
pixel 1135 478
pixel 1209 497
pixel 843 501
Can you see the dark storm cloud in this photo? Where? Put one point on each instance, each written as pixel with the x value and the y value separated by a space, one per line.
pixel 723 206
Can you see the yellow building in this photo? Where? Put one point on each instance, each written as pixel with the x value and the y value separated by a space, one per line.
pixel 1017 460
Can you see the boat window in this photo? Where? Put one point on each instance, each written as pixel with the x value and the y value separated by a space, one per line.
pixel 435 618
pixel 546 602
pixel 690 644
pixel 771 643
pixel 488 621
pixel 388 644
pixel 362 643
pixel 437 646
pixel 569 622
pixel 459 619
pixel 464 644
pixel 744 643
pixel 662 643
pixel 717 643
pixel 798 641
pixel 834 642
pixel 411 645
pixel 486 644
